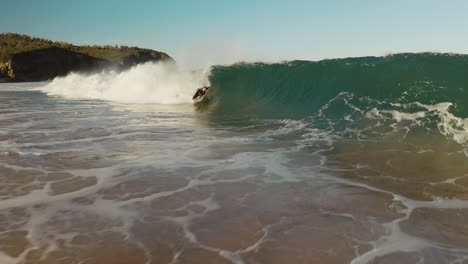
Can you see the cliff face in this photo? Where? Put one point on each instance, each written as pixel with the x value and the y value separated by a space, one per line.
pixel 45 64
pixel 48 63
pixel 25 58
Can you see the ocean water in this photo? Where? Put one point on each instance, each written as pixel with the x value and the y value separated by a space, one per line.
pixel 340 161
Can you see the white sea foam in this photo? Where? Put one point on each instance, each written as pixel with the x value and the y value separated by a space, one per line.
pixel 145 83
pixel 449 125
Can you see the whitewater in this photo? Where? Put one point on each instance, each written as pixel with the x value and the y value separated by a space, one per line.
pixel 360 160
pixel 145 83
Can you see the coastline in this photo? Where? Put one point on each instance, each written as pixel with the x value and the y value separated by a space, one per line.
pixel 26 59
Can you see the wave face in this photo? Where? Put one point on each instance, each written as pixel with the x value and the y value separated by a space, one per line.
pixel 427 91
pixel 158 83
pixel 301 88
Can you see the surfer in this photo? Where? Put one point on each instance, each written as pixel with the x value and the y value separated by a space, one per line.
pixel 200 92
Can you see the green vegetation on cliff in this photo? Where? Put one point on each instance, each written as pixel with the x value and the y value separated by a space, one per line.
pixel 11 44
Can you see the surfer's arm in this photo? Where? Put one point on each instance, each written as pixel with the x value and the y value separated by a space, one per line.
pixel 197 93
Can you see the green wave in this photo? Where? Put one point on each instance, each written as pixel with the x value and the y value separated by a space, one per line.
pixel 298 89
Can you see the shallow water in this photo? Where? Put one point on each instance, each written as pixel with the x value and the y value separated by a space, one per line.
pixel 87 181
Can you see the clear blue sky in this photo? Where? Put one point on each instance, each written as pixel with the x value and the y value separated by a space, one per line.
pixel 221 31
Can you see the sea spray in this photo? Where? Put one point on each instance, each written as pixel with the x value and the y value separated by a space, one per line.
pixel 146 83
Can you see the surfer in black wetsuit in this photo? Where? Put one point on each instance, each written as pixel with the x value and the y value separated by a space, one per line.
pixel 200 92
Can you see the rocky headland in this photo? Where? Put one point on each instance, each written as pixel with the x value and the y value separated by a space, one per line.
pixel 27 59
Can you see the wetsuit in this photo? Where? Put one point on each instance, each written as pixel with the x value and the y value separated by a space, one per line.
pixel 199 92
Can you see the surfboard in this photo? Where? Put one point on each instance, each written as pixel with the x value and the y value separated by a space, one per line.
pixel 198 99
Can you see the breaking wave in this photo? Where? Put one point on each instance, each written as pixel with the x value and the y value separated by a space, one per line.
pixel 402 92
pixel 146 83
pixel 301 88
pixel 424 92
